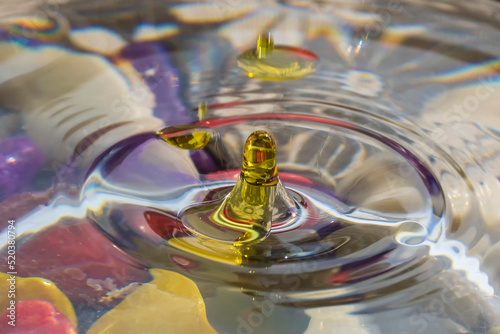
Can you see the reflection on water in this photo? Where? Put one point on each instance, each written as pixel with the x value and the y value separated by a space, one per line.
pixel 388 151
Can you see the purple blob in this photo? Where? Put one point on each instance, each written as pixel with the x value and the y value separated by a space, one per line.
pixel 153 63
pixel 20 160
pixel 203 162
pixel 131 164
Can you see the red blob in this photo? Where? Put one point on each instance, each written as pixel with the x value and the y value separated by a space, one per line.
pixel 35 317
pixel 74 256
pixel 184 262
pixel 164 225
pixel 340 277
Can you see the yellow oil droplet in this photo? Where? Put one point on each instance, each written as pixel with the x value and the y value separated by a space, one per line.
pixel 202 111
pixel 265 45
pixel 259 159
pixel 270 62
pixel 245 216
pixel 187 137
pixel 250 203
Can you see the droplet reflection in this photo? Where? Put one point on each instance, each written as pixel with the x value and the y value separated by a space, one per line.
pixel 187 137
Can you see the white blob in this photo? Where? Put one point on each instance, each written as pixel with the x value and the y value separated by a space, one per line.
pixel 99 40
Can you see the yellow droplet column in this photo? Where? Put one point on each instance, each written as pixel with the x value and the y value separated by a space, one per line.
pixel 246 214
pixel 265 45
pixel 250 203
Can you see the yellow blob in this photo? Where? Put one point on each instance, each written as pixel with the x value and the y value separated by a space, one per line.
pixel 170 303
pixel 259 159
pixel 265 45
pixel 208 249
pixel 187 137
pixel 202 111
pixel 271 62
pixel 32 288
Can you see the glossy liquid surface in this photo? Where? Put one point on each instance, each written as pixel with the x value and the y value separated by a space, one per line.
pixel 117 124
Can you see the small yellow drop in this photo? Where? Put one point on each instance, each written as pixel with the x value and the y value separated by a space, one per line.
pixel 270 62
pixel 265 45
pixel 187 137
pixel 202 111
pixel 259 159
